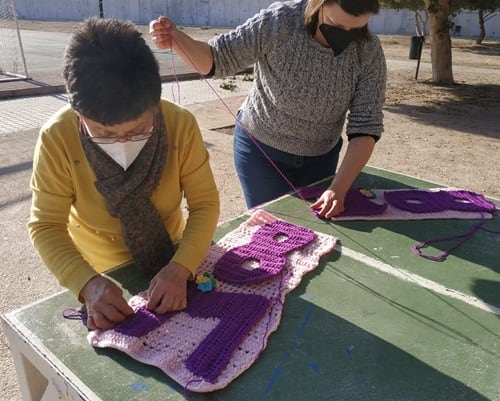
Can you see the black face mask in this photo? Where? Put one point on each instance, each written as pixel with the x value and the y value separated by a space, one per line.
pixel 338 39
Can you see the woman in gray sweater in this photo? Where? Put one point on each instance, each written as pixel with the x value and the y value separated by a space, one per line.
pixel 315 66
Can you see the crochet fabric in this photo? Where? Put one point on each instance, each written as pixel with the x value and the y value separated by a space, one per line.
pixel 411 204
pixel 223 332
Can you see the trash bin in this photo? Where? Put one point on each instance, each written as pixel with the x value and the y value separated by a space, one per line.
pixel 416 47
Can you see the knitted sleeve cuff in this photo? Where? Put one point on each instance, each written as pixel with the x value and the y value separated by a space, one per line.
pixel 352 136
pixel 211 72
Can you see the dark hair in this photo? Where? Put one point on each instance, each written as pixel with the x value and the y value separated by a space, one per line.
pixel 110 72
pixel 353 7
pixel 357 7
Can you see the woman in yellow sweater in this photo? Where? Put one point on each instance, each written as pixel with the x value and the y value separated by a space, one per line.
pixel 109 174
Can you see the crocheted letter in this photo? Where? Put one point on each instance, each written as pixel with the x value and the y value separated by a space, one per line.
pixel 236 314
pixel 222 332
pixel 421 201
pixel 268 246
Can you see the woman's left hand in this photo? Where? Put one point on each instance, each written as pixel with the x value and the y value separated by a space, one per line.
pixel 329 204
pixel 167 290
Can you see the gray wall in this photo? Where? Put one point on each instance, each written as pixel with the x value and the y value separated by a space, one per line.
pixel 219 13
pixel 71 10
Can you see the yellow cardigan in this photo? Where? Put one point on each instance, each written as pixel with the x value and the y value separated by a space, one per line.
pixel 70 225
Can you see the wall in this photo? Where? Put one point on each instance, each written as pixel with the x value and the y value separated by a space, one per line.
pixel 71 10
pixel 222 13
pixel 219 13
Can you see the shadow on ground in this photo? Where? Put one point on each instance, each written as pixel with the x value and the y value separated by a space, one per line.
pixel 470 108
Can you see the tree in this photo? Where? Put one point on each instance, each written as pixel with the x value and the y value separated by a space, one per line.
pixel 417 6
pixel 442 67
pixel 486 9
pixel 439 12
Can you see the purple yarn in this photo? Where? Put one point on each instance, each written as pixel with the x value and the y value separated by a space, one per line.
pixel 264 247
pixel 237 313
pixel 461 237
pixel 422 201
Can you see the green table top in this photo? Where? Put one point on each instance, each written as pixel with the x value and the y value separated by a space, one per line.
pixel 349 331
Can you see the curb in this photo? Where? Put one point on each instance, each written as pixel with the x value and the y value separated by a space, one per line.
pixel 41 88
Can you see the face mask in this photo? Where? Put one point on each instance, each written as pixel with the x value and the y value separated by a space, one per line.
pixel 124 153
pixel 338 39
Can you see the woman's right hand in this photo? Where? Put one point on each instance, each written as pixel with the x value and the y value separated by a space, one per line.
pixel 162 31
pixel 106 307
pixel 196 54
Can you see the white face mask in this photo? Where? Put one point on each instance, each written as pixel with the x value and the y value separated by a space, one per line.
pixel 124 153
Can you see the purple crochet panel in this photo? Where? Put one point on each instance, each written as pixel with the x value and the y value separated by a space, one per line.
pixel 268 248
pixel 421 201
pixel 357 204
pixel 237 312
pixel 142 322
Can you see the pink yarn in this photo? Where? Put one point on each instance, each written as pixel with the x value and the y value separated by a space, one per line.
pixel 221 333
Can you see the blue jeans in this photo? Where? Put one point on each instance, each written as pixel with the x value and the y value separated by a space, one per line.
pixel 260 180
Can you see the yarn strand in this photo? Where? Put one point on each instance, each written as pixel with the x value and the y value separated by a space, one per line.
pixel 463 238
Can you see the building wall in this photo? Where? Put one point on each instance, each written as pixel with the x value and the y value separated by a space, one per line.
pixel 220 13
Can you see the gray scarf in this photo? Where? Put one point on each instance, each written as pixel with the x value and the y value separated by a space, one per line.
pixel 128 197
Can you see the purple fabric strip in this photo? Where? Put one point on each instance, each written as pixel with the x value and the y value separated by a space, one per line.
pixel 422 201
pixel 268 246
pixel 357 204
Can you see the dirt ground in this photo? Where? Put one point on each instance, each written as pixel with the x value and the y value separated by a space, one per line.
pixel 445 134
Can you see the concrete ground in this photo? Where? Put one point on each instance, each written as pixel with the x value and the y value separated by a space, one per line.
pixel 24 107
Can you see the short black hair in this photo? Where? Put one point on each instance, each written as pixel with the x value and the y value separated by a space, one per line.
pixel 358 7
pixel 111 74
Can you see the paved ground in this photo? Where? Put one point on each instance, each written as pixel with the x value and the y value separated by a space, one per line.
pixel 22 277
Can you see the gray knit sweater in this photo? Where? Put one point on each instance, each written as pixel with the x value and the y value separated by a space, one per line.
pixel 301 93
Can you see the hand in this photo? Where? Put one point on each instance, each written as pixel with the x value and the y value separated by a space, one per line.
pixel 161 31
pixel 329 204
pixel 106 307
pixel 167 290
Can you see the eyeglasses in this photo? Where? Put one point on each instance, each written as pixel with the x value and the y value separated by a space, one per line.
pixel 106 140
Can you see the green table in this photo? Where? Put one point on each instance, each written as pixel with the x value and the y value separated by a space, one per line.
pixel 372 322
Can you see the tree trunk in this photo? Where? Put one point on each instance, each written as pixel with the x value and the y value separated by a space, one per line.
pixel 482 31
pixel 442 70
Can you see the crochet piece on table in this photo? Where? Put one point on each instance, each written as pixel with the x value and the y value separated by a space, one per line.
pixel 412 204
pixel 223 332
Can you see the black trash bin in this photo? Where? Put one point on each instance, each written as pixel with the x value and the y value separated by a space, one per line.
pixel 416 47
